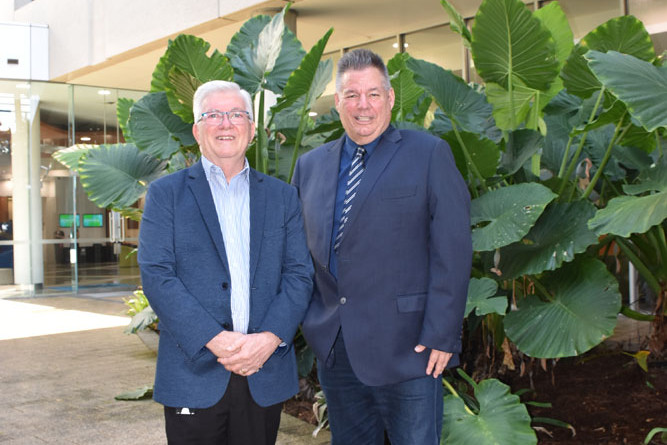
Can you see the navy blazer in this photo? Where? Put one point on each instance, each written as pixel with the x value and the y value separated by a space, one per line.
pixel 186 278
pixel 404 260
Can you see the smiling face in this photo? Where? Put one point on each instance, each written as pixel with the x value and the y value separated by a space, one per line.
pixel 224 144
pixel 364 104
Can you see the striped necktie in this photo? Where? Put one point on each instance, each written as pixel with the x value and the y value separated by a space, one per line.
pixel 353 179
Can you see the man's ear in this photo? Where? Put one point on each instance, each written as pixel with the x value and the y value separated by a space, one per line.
pixel 195 132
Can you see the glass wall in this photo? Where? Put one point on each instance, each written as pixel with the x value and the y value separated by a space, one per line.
pixel 52 237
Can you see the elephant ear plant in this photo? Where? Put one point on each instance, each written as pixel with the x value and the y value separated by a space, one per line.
pixel 562 148
pixel 266 59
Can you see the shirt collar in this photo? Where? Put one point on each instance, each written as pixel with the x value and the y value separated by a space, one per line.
pixel 350 146
pixel 211 167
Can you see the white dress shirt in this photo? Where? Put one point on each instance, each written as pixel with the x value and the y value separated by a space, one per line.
pixel 232 204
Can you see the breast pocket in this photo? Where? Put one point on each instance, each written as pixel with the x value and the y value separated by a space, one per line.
pixel 399 192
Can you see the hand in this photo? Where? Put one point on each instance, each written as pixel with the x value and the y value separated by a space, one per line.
pixel 437 361
pixel 252 351
pixel 224 344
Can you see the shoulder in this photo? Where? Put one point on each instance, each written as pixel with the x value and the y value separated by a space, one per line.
pixel 320 151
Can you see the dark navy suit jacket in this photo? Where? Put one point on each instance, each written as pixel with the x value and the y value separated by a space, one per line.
pixel 186 278
pixel 404 261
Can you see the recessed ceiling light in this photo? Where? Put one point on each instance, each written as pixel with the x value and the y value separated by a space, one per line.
pixel 85 138
pixel 312 113
pixel 23 86
pixel 104 92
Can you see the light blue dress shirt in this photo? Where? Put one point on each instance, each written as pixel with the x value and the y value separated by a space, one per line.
pixel 232 204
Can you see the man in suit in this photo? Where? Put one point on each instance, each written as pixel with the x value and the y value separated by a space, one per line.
pixel 225 266
pixel 389 232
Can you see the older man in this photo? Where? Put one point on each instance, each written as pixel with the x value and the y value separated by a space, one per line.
pixel 387 223
pixel 225 266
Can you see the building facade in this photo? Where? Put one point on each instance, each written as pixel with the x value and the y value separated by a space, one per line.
pixel 64 64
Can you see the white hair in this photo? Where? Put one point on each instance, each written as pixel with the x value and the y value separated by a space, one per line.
pixel 214 86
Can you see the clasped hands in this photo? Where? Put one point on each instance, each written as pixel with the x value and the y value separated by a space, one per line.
pixel 243 354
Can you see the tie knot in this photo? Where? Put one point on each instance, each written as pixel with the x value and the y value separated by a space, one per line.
pixel 360 152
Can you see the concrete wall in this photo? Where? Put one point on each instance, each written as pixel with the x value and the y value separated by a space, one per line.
pixel 93 31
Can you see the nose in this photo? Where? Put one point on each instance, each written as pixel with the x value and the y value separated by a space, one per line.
pixel 363 101
pixel 225 122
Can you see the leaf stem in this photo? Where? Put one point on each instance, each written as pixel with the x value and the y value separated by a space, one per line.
pixel 580 148
pixel 639 264
pixel 607 156
pixel 451 389
pixel 471 164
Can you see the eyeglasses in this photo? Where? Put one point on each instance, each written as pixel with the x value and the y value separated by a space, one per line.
pixel 215 117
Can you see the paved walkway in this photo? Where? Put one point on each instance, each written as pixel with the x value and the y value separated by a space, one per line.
pixel 62 361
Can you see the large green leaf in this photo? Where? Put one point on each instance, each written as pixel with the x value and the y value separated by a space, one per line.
pixel 554 19
pixel 117 175
pixel 624 34
pixel 502 418
pixel 183 68
pixel 481 297
pixel 520 147
pixel 625 215
pixel 309 79
pixel 559 234
pixel 508 42
pixel 484 153
pixel 264 54
pixel 461 103
pixel 524 104
pixel 653 179
pixel 123 114
pixel 71 156
pixel 156 129
pixel 580 314
pixel 457 23
pixel 510 109
pixel 189 54
pixel 641 85
pixel 407 92
pixel 510 213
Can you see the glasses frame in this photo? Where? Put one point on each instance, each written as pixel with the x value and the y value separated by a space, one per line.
pixel 205 117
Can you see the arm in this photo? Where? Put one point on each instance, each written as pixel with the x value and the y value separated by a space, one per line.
pixel 180 313
pixel 450 258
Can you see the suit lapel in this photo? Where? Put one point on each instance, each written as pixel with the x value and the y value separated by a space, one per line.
pixel 257 212
pixel 377 163
pixel 202 193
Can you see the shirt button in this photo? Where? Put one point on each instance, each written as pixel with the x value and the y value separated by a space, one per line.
pixel 343 300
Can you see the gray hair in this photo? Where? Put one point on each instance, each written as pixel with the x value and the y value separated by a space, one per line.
pixel 359 59
pixel 215 86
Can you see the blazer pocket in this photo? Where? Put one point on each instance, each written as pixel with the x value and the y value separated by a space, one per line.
pixel 399 192
pixel 411 303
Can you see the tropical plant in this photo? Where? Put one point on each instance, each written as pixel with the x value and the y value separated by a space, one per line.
pixel 562 151
pixel 562 148
pixel 264 58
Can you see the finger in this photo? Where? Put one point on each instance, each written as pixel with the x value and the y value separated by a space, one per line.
pixel 432 361
pixel 419 349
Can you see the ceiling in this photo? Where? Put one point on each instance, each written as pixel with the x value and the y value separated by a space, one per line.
pixel 355 22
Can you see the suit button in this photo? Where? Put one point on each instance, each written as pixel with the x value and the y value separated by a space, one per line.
pixel 343 300
pixel 227 326
pixel 225 285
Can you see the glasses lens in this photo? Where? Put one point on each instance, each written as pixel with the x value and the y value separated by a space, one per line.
pixel 216 117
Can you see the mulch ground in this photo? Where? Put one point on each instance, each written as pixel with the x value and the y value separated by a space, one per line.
pixel 604 395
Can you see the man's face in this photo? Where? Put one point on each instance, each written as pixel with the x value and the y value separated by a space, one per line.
pixel 224 143
pixel 364 105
